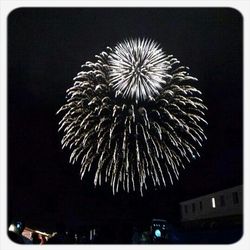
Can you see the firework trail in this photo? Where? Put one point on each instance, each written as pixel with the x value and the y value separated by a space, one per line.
pixel 133 116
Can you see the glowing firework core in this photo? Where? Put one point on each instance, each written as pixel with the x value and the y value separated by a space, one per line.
pixel 138 68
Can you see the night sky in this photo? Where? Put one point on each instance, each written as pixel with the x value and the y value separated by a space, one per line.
pixel 46 48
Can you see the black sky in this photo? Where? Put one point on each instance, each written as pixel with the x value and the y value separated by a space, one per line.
pixel 46 47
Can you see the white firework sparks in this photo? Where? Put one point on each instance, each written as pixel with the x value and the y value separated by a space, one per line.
pixel 138 68
pixel 133 117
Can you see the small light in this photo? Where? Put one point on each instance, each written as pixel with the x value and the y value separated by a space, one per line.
pixel 12 228
pixel 213 203
pixel 157 233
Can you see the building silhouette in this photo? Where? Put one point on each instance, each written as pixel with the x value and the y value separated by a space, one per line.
pixel 219 209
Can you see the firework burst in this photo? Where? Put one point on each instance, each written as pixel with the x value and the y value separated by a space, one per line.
pixel 133 116
pixel 138 69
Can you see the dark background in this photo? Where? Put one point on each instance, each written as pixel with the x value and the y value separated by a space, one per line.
pixel 46 47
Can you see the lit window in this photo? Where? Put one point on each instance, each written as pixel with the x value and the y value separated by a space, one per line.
pixel 213 203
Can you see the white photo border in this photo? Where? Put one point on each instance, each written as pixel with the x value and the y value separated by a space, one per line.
pixel 7 6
